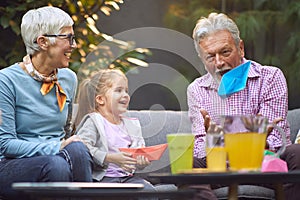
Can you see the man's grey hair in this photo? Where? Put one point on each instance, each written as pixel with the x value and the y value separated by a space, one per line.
pixel 214 22
pixel 44 20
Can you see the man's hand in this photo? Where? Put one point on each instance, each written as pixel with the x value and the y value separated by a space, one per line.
pixel 210 127
pixel 206 118
pixel 271 127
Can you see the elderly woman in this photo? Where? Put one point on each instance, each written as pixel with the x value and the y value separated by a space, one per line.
pixel 35 98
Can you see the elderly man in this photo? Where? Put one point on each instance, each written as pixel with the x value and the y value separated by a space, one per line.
pixel 220 48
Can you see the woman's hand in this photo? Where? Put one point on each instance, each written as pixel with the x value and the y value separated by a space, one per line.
pixel 73 138
pixel 122 159
pixel 142 162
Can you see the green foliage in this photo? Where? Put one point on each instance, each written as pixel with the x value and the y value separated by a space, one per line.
pixel 249 24
pixel 182 16
pixel 125 59
pixel 85 14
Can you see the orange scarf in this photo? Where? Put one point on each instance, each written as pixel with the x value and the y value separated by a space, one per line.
pixel 48 82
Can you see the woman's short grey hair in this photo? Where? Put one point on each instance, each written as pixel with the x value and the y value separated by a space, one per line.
pixel 44 20
pixel 214 22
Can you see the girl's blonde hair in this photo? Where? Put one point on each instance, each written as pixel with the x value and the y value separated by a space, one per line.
pixel 98 84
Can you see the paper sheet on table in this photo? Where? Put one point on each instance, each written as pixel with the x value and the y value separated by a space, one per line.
pixel 151 152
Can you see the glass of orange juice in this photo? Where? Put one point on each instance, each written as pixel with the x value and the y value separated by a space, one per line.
pixel 216 155
pixel 245 141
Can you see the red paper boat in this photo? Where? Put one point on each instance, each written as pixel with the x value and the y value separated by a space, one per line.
pixel 151 152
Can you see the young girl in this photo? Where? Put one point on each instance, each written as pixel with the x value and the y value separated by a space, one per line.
pixel 104 130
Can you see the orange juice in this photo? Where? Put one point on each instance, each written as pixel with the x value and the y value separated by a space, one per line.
pixel 216 158
pixel 245 150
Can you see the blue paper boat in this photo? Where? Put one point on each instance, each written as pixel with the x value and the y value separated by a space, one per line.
pixel 235 80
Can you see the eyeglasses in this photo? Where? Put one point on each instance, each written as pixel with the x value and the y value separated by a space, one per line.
pixel 69 36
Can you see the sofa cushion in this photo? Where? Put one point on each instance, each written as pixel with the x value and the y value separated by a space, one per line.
pixel 155 126
pixel 293 118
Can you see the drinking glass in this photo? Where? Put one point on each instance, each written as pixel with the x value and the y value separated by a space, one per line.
pixel 215 152
pixel 181 148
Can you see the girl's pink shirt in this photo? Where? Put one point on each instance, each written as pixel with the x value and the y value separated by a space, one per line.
pixel 117 137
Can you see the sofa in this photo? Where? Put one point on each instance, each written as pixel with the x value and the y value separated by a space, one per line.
pixel 157 124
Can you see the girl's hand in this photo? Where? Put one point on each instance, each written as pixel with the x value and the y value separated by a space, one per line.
pixel 142 162
pixel 122 159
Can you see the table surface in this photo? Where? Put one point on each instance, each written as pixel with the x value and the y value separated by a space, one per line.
pixel 102 194
pixel 228 177
pixel 83 190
